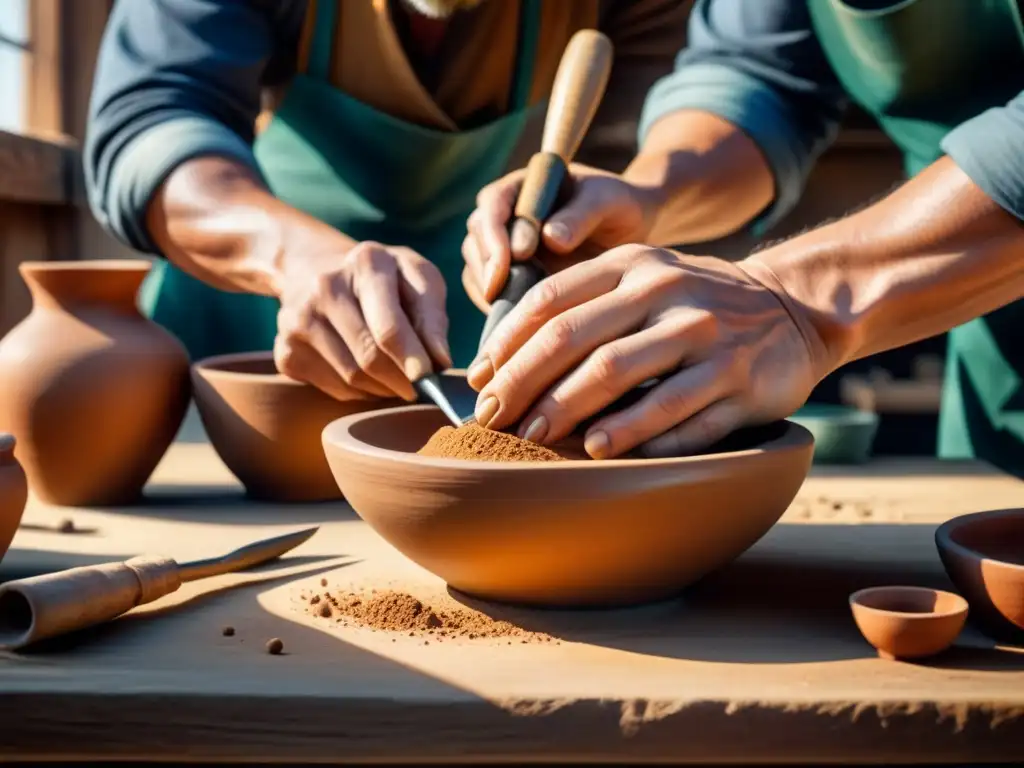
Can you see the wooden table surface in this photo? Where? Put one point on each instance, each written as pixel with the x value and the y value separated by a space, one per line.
pixel 760 662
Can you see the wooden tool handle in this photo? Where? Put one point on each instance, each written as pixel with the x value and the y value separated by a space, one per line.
pixel 578 89
pixel 46 606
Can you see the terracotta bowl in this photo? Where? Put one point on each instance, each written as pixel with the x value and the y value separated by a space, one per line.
pixel 908 622
pixel 983 553
pixel 266 427
pixel 570 533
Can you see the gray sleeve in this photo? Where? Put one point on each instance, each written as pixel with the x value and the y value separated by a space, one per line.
pixel 177 79
pixel 758 65
pixel 988 149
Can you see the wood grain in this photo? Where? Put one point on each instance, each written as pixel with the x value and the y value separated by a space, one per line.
pixel 761 662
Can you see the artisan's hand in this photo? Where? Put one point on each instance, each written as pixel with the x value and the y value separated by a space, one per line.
pixel 362 323
pixel 604 211
pixel 728 352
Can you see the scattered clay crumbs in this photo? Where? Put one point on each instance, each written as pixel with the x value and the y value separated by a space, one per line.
pixel 391 611
pixel 473 442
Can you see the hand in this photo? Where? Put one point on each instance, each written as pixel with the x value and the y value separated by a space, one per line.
pixel 604 211
pixel 364 323
pixel 728 351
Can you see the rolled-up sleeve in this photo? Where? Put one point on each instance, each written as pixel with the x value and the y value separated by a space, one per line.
pixel 175 79
pixel 988 148
pixel 758 65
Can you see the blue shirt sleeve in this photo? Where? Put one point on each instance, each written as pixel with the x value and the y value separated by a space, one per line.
pixel 758 65
pixel 178 79
pixel 988 149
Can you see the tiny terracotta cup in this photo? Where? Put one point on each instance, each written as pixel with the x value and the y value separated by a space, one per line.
pixel 908 622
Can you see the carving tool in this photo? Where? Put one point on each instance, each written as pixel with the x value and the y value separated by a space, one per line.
pixel 56 603
pixel 579 86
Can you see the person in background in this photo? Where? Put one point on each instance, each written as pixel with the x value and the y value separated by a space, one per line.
pixel 305 170
pixel 743 343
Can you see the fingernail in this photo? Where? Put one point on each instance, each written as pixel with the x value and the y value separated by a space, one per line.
pixel 480 373
pixel 597 444
pixel 558 232
pixel 486 410
pixel 415 369
pixel 537 430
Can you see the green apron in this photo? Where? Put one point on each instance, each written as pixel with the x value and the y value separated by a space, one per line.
pixel 369 175
pixel 922 67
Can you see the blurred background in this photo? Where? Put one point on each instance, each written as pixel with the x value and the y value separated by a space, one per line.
pixel 47 52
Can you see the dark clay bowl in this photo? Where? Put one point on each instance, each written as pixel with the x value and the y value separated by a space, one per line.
pixel 266 427
pixel 842 435
pixel 983 553
pixel 570 533
pixel 908 622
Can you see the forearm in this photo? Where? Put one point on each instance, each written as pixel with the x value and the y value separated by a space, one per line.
pixel 704 178
pixel 216 220
pixel 936 253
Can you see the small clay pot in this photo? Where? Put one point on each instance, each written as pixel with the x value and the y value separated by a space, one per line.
pixel 266 427
pixel 564 533
pixel 93 391
pixel 908 622
pixel 13 492
pixel 983 553
pixel 842 435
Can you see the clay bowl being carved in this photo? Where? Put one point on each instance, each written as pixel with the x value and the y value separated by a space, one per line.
pixel 908 622
pixel 266 427
pixel 567 533
pixel 983 553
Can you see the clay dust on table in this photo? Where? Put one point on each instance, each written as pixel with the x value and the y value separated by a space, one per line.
pixel 471 441
pixel 399 612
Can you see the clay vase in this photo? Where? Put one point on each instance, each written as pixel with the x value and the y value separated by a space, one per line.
pixel 266 427
pixel 983 553
pixel 13 492
pixel 93 391
pixel 564 533
pixel 908 622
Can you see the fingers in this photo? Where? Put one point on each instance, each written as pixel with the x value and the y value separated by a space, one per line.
pixel 560 344
pixel 608 373
pixel 662 417
pixel 297 360
pixel 469 284
pixel 594 202
pixel 487 249
pixel 701 430
pixel 546 300
pixel 423 293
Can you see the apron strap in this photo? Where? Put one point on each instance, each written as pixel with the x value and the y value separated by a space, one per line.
pixel 324 35
pixel 529 35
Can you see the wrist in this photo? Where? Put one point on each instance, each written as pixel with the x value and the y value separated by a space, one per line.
pixel 807 277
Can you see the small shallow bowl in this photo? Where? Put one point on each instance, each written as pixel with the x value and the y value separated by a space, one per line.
pixel 266 427
pixel 908 622
pixel 842 435
pixel 568 533
pixel 983 553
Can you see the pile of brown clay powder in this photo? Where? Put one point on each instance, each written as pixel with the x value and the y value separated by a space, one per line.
pixel 399 612
pixel 471 441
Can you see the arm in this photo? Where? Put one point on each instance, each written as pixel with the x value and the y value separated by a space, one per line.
pixel 942 250
pixel 170 169
pixel 731 135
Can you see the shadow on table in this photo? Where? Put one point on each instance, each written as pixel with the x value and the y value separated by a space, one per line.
pixel 784 602
pixel 23 563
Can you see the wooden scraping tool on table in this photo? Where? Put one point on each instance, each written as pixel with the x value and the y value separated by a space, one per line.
pixel 579 86
pixel 53 604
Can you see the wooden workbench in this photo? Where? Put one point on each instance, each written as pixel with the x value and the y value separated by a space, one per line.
pixel 761 662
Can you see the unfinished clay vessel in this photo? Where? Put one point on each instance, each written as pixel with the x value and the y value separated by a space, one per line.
pixel 908 622
pixel 13 492
pixel 93 391
pixel 983 553
pixel 266 427
pixel 564 533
